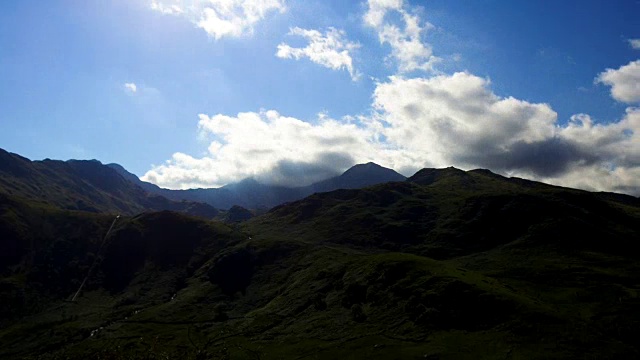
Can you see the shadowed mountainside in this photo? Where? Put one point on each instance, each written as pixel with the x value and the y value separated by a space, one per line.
pixel 83 185
pixel 449 264
pixel 237 214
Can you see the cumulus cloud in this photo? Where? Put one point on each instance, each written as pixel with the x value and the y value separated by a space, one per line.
pixel 634 43
pixel 404 37
pixel 419 122
pixel 624 82
pixel 130 87
pixel 221 18
pixel 269 147
pixel 614 148
pixel 601 178
pixel 168 9
pixel 414 122
pixel 457 120
pixel 377 9
pixel 331 49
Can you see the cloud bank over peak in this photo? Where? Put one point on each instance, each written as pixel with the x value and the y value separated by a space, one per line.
pixel 270 147
pixel 416 121
pixel 221 18
pixel 457 119
pixel 331 49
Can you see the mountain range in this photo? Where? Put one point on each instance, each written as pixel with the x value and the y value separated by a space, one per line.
pixel 85 185
pixel 448 264
pixel 89 185
pixel 251 194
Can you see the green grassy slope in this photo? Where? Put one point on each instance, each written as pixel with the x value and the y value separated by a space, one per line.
pixel 447 265
pixel 47 253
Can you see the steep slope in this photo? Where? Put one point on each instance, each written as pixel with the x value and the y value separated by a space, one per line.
pixel 449 265
pixel 449 212
pixel 571 253
pixel 251 194
pixel 47 252
pixel 42 246
pixel 149 187
pixel 83 185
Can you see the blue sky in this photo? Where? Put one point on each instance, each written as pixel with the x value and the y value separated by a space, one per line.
pixel 206 92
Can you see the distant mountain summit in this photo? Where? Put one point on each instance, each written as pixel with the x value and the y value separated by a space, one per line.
pixel 237 214
pixel 370 172
pixel 429 176
pixel 14 164
pixel 358 176
pixel 251 194
pixel 152 188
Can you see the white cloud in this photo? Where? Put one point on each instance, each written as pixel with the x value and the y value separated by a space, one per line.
pixel 269 147
pixel 405 39
pixel 624 82
pixel 610 140
pixel 634 43
pixel 601 178
pixel 221 18
pixel 331 49
pixel 142 91
pixel 130 87
pixel 168 9
pixel 607 170
pixel 457 120
pixel 614 149
pixel 438 121
pixel 378 9
pixel 421 122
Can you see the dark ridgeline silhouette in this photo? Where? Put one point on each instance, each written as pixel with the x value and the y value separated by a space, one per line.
pixel 85 185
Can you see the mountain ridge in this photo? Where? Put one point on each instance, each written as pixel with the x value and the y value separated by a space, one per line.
pixel 249 193
pixel 85 185
pixel 492 264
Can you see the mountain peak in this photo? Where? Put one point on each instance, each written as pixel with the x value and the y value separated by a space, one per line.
pixel 371 173
pixel 363 167
pixel 124 172
pixel 359 176
pixel 89 162
pixel 85 185
pixel 13 163
pixel 116 166
pixel 249 183
pixel 428 176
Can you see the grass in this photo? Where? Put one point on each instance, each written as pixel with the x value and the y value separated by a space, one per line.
pixel 494 269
